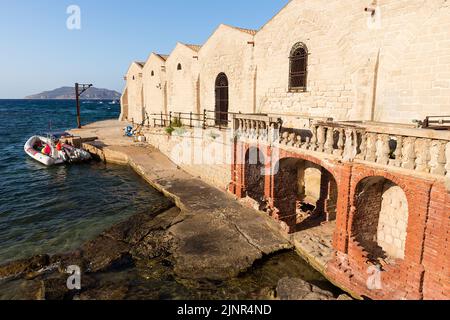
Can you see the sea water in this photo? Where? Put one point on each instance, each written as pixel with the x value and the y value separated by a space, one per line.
pixel 56 209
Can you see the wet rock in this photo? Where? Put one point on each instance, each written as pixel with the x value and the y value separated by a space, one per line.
pixel 25 266
pixel 344 297
pixel 108 291
pixel 208 247
pixel 103 254
pixel 63 261
pixel 298 289
pixel 155 244
pixel 139 226
pixel 55 287
pixel 22 290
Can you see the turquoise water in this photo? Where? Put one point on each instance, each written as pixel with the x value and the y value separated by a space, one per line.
pixel 53 210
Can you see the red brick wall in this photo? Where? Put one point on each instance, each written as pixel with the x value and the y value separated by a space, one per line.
pixel 425 271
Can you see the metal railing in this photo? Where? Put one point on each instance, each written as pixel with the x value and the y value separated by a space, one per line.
pixel 207 119
pixel 437 123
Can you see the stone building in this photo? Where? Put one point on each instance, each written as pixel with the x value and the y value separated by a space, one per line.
pixel 154 84
pixel 132 99
pixel 324 108
pixel 226 71
pixel 379 65
pixel 182 79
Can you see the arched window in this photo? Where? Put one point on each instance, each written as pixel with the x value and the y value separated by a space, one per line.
pixel 298 72
pixel 222 100
pixel 179 67
pixel 134 78
pixel 153 73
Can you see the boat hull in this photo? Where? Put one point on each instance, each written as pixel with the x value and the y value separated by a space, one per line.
pixel 55 159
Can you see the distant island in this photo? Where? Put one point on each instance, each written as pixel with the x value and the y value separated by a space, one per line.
pixel 68 93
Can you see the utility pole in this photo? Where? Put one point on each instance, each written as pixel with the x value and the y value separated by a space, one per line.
pixel 79 90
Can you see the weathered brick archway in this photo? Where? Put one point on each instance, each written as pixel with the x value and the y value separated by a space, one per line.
pixel 353 266
pixel 372 168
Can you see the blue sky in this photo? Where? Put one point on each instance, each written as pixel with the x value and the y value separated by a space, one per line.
pixel 39 53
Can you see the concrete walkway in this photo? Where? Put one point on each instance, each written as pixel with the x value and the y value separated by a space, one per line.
pixel 216 237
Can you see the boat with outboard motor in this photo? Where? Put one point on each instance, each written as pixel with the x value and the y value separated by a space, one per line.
pixel 49 151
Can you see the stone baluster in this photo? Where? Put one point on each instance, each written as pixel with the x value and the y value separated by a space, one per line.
pixel 258 131
pixel 285 138
pixel 298 141
pixel 397 162
pixel 422 155
pixel 438 159
pixel 273 133
pixel 409 153
pixel 245 129
pixel 383 149
pixel 350 147
pixel 254 129
pixel 264 131
pixel 321 139
pixel 249 129
pixel 306 144
pixel 313 141
pixel 241 128
pixel 363 146
pixel 291 139
pixel 371 154
pixel 329 141
pixel 341 143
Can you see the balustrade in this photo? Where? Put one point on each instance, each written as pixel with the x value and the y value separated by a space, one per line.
pixel 424 151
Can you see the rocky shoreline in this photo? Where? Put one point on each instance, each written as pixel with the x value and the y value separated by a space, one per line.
pixel 199 244
pixel 140 249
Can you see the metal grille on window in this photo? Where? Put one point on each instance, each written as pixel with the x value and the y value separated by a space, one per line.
pixel 222 100
pixel 298 67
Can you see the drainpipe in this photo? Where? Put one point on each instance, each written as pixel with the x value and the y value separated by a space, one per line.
pixel 375 87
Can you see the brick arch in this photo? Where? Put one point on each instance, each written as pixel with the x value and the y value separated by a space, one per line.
pixel 417 192
pixel 255 170
pixel 381 216
pixel 329 166
pixel 304 193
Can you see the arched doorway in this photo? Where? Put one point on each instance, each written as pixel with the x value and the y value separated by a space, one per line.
pixel 255 175
pixel 381 218
pixel 305 194
pixel 222 99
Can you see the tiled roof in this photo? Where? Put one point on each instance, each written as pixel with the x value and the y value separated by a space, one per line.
pixel 163 56
pixel 249 31
pixel 139 63
pixel 194 47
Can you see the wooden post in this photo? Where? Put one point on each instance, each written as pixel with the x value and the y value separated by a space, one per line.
pixel 78 94
pixel 77 97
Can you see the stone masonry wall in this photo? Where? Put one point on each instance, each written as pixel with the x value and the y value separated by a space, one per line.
pixel 393 223
pixel 205 154
pixel 135 93
pixel 154 94
pixel 182 84
pixel 391 67
pixel 227 51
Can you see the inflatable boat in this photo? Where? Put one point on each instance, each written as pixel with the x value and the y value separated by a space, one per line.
pixel 35 148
